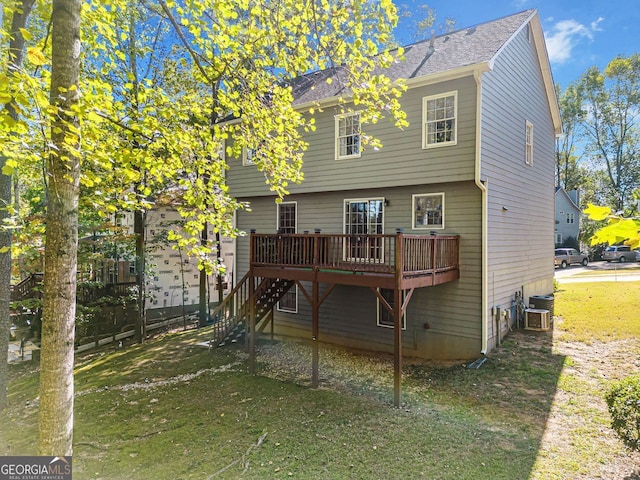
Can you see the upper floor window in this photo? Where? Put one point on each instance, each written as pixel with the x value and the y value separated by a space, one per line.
pixel 570 217
pixel 428 211
pixel 348 143
pixel 528 142
pixel 439 113
pixel 248 156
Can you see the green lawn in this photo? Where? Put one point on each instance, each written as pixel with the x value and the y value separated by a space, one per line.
pixel 599 311
pixel 171 410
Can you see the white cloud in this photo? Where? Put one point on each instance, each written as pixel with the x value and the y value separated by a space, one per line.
pixel 594 25
pixel 565 35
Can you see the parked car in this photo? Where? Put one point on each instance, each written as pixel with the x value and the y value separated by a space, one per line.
pixel 620 253
pixel 637 252
pixel 568 256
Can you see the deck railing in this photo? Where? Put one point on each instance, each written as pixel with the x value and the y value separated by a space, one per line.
pixel 357 253
pixel 30 287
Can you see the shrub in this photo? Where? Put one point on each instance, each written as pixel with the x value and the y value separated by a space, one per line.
pixel 623 400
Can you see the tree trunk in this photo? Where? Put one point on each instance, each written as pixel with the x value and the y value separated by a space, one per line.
pixel 139 219
pixel 202 291
pixel 16 52
pixel 63 172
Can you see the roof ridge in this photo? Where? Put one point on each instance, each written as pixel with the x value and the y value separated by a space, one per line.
pixel 462 29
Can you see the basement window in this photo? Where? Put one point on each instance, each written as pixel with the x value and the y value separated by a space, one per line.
pixel 385 317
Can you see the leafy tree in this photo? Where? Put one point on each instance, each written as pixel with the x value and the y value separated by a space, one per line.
pixel 618 229
pixel 569 174
pixel 611 113
pixel 20 13
pixel 55 419
pixel 423 21
pixel 243 59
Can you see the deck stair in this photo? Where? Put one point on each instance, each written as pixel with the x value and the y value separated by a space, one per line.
pixel 231 317
pixel 30 287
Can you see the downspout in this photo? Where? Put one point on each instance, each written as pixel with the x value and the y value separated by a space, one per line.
pixel 477 75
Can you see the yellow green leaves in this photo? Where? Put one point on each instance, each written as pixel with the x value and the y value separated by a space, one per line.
pixel 35 56
pixel 9 167
pixel 154 122
pixel 597 213
pixel 26 34
pixel 618 229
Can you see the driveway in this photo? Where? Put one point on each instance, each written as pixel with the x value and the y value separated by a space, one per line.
pixel 600 272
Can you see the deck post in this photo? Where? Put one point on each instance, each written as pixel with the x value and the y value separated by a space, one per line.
pixel 314 336
pixel 251 327
pixel 315 318
pixel 397 321
pixel 434 257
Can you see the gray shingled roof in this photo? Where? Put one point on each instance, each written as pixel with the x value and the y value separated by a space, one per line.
pixel 461 48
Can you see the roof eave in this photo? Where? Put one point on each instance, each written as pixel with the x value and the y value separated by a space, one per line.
pixel 447 75
pixel 545 66
pixel 467 70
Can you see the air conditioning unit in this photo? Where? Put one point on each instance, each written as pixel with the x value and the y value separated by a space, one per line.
pixel 536 319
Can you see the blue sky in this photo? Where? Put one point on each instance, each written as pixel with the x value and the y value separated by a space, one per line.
pixel 579 33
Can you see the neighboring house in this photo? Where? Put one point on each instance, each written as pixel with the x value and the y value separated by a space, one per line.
pixel 473 173
pixel 567 215
pixel 172 277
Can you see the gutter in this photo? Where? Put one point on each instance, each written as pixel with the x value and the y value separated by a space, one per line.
pixel 477 76
pixel 439 77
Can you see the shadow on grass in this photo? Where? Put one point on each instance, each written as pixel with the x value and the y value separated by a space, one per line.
pixel 510 396
pixel 455 423
pixel 496 413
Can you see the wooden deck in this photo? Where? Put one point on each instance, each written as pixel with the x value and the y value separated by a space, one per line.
pixel 397 262
pixel 382 261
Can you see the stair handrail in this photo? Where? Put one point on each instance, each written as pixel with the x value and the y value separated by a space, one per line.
pixel 225 319
pixel 222 323
pixel 25 287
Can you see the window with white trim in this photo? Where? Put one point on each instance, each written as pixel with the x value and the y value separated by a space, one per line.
pixel 348 139
pixel 248 156
pixel 363 218
pixel 558 238
pixel 287 213
pixel 439 120
pixel 222 150
pixel 428 211
pixel 289 301
pixel 287 223
pixel 528 143
pixel 385 317
pixel 222 156
pixel 570 217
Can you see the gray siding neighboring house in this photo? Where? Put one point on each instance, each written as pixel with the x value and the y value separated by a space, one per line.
pixel 494 184
pixel 568 213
